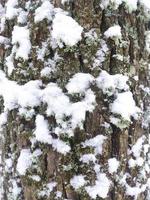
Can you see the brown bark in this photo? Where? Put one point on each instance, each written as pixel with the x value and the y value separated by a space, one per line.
pixel 17 132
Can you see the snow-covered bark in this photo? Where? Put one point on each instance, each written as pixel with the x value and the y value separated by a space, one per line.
pixel 74 89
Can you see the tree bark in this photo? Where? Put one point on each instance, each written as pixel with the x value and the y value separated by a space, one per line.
pixel 17 133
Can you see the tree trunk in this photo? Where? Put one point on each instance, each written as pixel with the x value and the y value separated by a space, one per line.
pixel 103 154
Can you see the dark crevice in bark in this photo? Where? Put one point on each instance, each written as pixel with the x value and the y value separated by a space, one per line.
pixel 72 6
pixel 115 141
pixel 64 190
pixel 112 66
pixel 115 137
pixel 45 162
pixel 131 49
pixel 81 62
pixel 103 23
pixel 80 58
pixel 112 193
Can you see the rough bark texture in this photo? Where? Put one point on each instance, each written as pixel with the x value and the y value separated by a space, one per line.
pixel 17 132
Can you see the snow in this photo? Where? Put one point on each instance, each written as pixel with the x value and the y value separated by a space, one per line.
pixel 11 10
pixel 9 61
pixel 132 163
pixel 78 109
pixel 104 3
pixel 64 1
pixel 132 5
pixel 139 161
pixel 3 119
pixel 137 147
pixel 15 95
pixel 101 54
pixel 42 51
pixel 56 100
pixel 45 11
pixel 109 83
pixel 24 161
pixel 125 106
pixel 77 181
pixel 16 190
pixel 42 132
pixel 58 103
pixel 147 41
pixel 21 36
pixel 51 185
pixel 4 40
pixel 47 189
pixel 101 187
pixel 8 164
pixel 135 191
pixel 87 158
pixel 29 94
pixel 45 72
pixel 146 4
pixel 113 165
pixel 60 146
pixel 95 142
pixel 22 17
pixel 79 83
pixel 66 29
pixel 35 178
pixel 114 31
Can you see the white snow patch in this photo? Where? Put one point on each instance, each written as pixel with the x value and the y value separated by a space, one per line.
pixel 146 4
pixel 22 17
pixel 114 31
pixel 113 165
pixel 125 106
pixel 77 181
pixel 60 105
pixel 16 190
pixel 3 119
pixel 137 147
pixel 21 36
pixel 147 41
pixel 24 161
pixel 35 178
pixel 79 83
pixel 60 146
pixel 47 189
pixel 64 1
pixel 101 54
pixel 109 83
pixel 4 40
pixel 41 131
pixel 11 10
pixel 135 191
pixel 42 134
pixel 95 142
pixel 87 158
pixel 45 11
pixel 66 29
pixel 9 61
pixel 104 3
pixel 101 187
